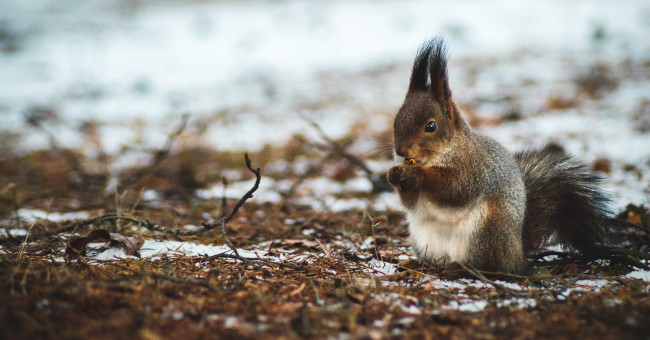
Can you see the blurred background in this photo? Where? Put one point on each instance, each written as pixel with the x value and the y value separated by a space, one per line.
pixel 103 76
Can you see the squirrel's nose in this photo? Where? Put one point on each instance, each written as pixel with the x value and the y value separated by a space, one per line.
pixel 402 151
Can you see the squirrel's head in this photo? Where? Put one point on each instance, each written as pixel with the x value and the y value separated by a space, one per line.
pixel 428 121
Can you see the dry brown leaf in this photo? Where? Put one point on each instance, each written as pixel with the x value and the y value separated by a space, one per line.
pixel 77 247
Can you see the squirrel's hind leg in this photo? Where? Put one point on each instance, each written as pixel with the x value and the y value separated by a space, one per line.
pixel 497 245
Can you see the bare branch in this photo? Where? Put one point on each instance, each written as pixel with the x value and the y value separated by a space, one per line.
pixel 336 147
pixel 227 239
pixel 206 226
pixel 479 275
pixel 379 182
pixel 69 157
pixel 250 192
pixel 7 188
pixel 156 227
pixel 171 139
pixel 209 226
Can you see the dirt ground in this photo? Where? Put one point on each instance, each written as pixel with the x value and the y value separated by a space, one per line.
pixel 300 273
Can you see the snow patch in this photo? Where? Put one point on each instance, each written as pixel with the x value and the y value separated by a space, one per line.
pixel 639 274
pixel 30 216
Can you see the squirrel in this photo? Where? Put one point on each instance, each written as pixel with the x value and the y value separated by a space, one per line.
pixel 469 200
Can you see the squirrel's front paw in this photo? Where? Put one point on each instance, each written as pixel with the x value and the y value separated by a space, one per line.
pixel 394 175
pixel 404 177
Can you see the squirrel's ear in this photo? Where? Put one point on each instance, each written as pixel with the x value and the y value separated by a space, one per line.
pixel 438 72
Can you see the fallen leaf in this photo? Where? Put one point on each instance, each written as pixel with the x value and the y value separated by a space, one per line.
pixel 77 247
pixel 130 245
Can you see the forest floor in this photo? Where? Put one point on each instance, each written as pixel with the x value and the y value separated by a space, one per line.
pixel 321 251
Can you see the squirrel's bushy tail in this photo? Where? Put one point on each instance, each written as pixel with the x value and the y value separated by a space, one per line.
pixel 563 202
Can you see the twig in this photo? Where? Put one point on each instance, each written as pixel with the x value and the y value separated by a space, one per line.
pixel 72 161
pixel 224 201
pixel 509 275
pixel 209 226
pixel 620 255
pixel 327 253
pixel 227 239
pixel 21 252
pixel 254 260
pixel 9 236
pixel 241 202
pixel 373 224
pixel 6 189
pixel 117 207
pixel 206 226
pixel 477 273
pixel 297 182
pixel 250 192
pixel 248 195
pixel 337 147
pixel 137 201
pixel 162 153
pixel 16 206
pixel 74 226
pixel 379 181
pixel 542 255
pixel 629 252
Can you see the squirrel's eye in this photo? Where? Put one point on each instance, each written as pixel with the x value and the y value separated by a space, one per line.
pixel 431 126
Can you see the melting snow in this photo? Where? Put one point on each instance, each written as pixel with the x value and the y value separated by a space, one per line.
pixel 30 216
pixel 471 306
pixel 380 267
pixel 639 274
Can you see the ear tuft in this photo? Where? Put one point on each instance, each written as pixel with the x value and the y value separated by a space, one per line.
pixel 430 73
pixel 431 60
pixel 420 73
pixel 438 71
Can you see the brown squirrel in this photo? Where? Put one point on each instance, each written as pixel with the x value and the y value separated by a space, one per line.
pixel 469 200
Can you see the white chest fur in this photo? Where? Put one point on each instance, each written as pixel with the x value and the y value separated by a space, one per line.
pixel 443 234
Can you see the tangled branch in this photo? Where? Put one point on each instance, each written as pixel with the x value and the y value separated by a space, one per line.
pixel 379 182
pixel 221 222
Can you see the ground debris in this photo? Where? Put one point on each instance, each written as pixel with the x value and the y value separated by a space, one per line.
pixel 341 281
